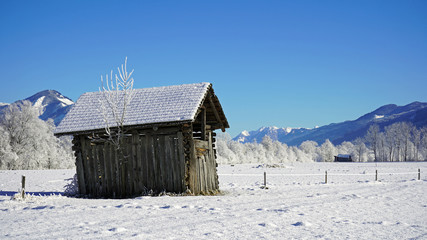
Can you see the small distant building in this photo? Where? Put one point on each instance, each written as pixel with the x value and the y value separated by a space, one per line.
pixel 169 142
pixel 343 158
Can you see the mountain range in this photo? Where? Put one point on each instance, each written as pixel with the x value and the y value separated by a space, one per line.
pixel 50 104
pixel 416 113
pixel 54 105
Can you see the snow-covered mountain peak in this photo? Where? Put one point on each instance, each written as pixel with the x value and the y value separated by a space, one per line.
pixel 245 133
pixel 275 133
pixel 50 104
pixel 288 129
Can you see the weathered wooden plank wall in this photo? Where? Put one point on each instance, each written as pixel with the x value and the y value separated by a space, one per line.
pixel 163 160
pixel 149 161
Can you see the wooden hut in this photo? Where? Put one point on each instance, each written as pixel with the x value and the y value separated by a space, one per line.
pixel 343 158
pixel 168 143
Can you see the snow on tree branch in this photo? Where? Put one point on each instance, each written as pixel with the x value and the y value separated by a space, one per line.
pixel 117 93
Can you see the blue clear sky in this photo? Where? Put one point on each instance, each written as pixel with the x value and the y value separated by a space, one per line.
pixel 282 63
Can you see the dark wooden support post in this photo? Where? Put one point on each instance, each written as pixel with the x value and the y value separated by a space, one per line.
pixel 216 113
pixel 203 119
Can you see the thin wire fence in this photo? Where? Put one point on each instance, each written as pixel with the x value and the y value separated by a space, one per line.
pixel 329 177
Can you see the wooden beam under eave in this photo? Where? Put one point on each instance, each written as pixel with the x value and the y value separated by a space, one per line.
pixel 203 120
pixel 216 113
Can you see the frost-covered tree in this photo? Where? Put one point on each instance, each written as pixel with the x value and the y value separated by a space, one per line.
pixel 405 135
pixel 391 140
pixel 360 150
pixel 327 151
pixel 416 140
pixel 31 140
pixel 423 143
pixel 117 93
pixel 310 148
pixel 346 148
pixel 372 138
pixel 7 156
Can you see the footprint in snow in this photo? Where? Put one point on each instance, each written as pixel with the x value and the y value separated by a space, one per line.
pixel 299 224
pixel 119 229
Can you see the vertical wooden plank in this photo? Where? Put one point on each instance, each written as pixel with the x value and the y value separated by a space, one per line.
pixel 151 162
pixel 107 169
pixel 103 179
pixel 129 167
pixel 91 172
pixel 181 161
pixel 89 167
pixel 145 161
pixel 174 164
pixel 94 165
pixel 193 168
pixel 205 173
pixel 117 186
pixel 200 174
pixel 85 164
pixel 167 164
pixel 135 179
pixel 136 151
pixel 161 161
pixel 208 172
pixel 100 168
pixel 79 165
pixel 170 162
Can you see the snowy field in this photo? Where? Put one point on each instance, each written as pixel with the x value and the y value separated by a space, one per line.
pixel 296 205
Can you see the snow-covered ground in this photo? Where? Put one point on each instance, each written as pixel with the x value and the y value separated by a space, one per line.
pixel 296 205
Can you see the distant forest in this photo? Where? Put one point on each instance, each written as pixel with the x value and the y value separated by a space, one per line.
pixel 397 142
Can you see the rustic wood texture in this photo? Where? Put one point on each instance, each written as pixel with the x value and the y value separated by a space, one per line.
pixel 157 161
pixel 176 159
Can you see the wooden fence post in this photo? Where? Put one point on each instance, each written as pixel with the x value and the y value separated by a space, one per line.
pixel 23 186
pixel 326 177
pixel 376 175
pixel 419 174
pixel 265 179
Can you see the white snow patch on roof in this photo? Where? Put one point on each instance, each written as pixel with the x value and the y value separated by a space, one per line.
pixel 149 105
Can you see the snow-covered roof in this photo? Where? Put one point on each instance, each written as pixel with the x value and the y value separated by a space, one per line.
pixel 148 106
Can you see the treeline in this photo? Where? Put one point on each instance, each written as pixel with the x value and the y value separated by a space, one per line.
pixel 397 142
pixel 27 142
pixel 400 141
